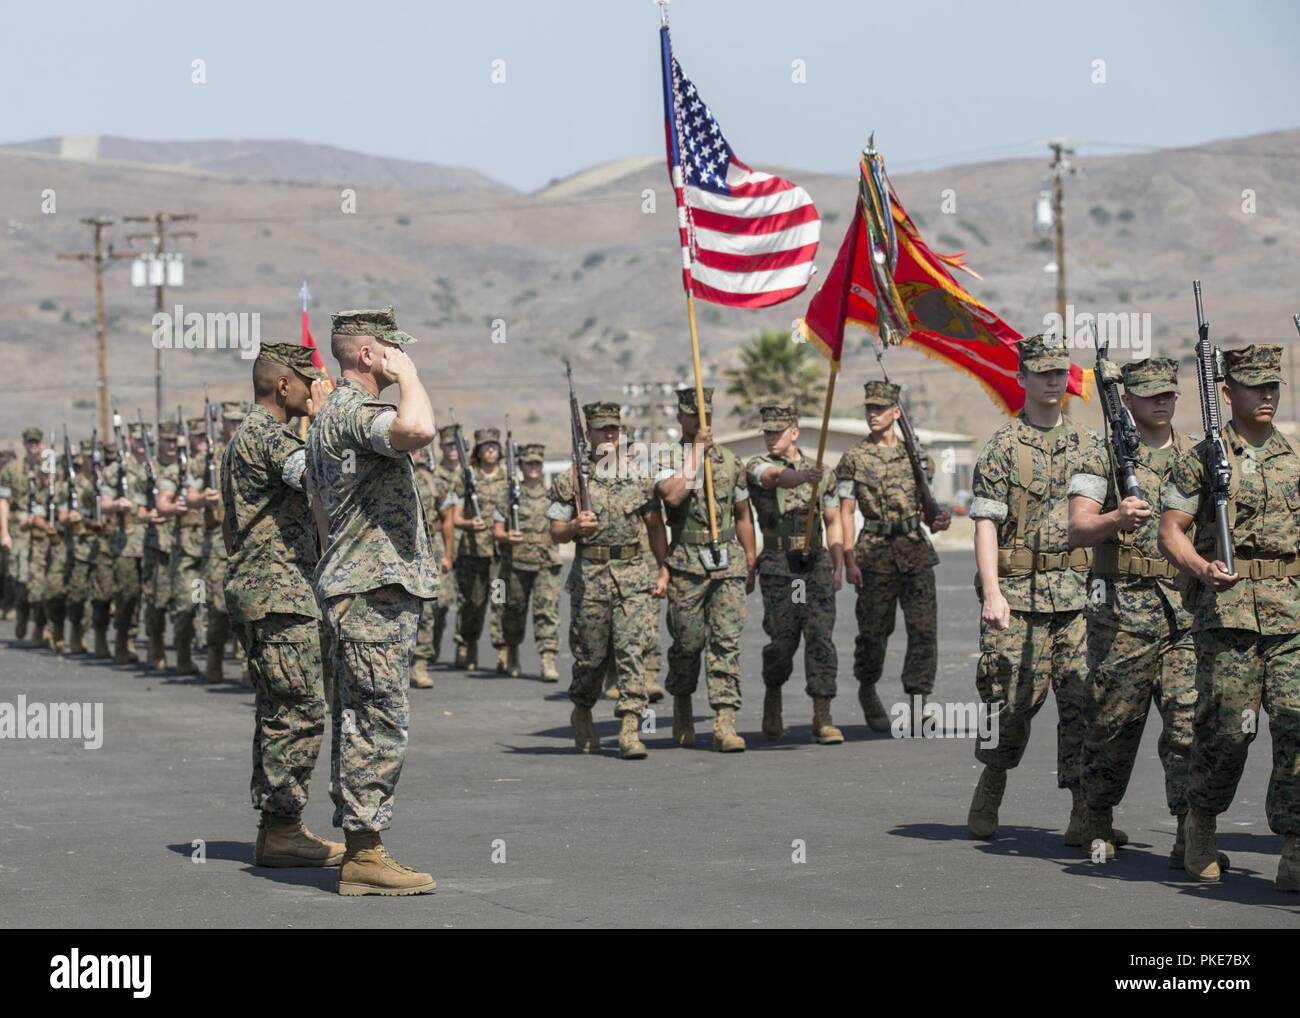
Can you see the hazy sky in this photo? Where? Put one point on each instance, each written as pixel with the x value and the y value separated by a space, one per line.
pixel 939 82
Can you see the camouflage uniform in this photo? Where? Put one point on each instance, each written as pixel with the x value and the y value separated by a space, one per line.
pixel 782 516
pixel 1248 636
pixel 90 568
pixel 269 597
pixel 126 544
pixel 434 488
pixel 444 486
pixel 54 589
pixel 156 574
pixel 531 570
pixel 477 557
pixel 14 489
pixel 377 567
pixel 611 581
pixel 706 610
pixel 212 615
pixel 1020 483
pixel 894 555
pixel 189 538
pixel 1139 634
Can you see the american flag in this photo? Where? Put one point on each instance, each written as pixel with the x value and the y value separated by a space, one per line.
pixel 748 238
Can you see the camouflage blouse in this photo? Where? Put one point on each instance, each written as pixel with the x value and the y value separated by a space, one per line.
pixel 783 512
pixel 377 531
pixel 621 502
pixel 689 522
pixel 879 478
pixel 273 532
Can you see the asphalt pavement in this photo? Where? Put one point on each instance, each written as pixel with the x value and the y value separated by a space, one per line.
pixel 154 827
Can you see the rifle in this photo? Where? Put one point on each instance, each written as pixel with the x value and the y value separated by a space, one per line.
pixel 1120 426
pixel 151 475
pixel 467 470
pixel 578 443
pixel 96 475
pixel 69 472
pixel 119 440
pixel 182 455
pixel 209 459
pixel 915 456
pixel 1209 375
pixel 512 483
pixel 49 488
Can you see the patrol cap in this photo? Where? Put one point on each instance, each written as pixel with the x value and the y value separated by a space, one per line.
pixel 1256 364
pixel 233 409
pixel 378 322
pixel 686 400
pixel 878 392
pixel 135 429
pixel 197 426
pixel 292 355
pixel 167 428
pixel 484 435
pixel 1044 352
pixel 602 415
pixel 32 434
pixel 1151 376
pixel 776 417
pixel 447 434
pixel 85 447
pixel 533 452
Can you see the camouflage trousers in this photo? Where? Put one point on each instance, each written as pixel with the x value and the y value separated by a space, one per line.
pixel 1237 672
pixel 879 597
pixel 189 590
pixel 806 612
pixel 126 591
pixel 1127 671
pixel 156 580
pixel 1017 666
pixel 38 557
pixel 93 582
pixel 217 623
pixel 706 616
pixel 54 588
pixel 372 638
pixel 605 634
pixel 433 619
pixel 475 580
pixel 542 588
pixel 284 657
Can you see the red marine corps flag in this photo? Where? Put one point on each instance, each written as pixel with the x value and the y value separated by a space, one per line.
pixel 885 272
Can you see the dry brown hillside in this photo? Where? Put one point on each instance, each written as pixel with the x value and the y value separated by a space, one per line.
pixel 580 269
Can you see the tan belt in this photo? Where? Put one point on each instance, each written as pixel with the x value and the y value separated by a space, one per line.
pixel 791 543
pixel 1022 561
pixel 1267 568
pixel 1115 560
pixel 895 529
pixel 607 552
pixel 702 536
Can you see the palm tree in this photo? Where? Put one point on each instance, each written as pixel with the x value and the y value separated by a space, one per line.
pixel 775 369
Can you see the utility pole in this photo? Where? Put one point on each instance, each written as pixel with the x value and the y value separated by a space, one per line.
pixel 654 402
pixel 97 256
pixel 159 238
pixel 1060 165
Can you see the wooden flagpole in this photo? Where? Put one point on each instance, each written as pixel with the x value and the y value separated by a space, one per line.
pixel 718 562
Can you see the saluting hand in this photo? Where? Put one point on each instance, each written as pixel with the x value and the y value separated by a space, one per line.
pixel 398 365
pixel 316 400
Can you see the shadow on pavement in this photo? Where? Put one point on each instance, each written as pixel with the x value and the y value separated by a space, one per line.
pixel 325 878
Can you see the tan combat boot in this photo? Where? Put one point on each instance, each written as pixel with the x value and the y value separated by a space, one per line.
pixel 512 662
pixel 683 722
pixel 773 724
pixel 155 656
pixel 549 671
pixel 420 678
pixel 100 643
pixel 1099 834
pixel 503 661
pixel 983 816
pixel 584 730
pixel 824 731
pixel 1179 850
pixel 1078 817
pixel 1288 867
pixel 872 709
pixel 184 654
pixel 284 841
pixel 461 655
pixel 725 739
pixel 212 670
pixel 1200 858
pixel 367 868
pixel 20 624
pixel 653 691
pixel 123 651
pixel 76 639
pixel 630 746
pixel 471 658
